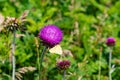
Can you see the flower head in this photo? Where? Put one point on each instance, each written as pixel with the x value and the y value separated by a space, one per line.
pixel 51 35
pixel 11 23
pixel 110 41
pixel 63 64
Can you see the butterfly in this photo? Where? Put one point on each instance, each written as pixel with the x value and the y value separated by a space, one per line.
pixel 56 49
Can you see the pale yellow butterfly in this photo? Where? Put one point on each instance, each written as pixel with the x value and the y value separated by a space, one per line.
pixel 56 49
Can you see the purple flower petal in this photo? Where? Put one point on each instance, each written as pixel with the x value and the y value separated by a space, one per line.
pixel 51 35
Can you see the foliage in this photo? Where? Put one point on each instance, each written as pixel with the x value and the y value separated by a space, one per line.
pixel 85 23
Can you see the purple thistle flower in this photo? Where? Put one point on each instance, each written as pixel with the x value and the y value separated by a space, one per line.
pixel 63 65
pixel 51 35
pixel 110 41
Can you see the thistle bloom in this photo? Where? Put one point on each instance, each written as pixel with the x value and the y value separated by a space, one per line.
pixel 110 41
pixel 51 35
pixel 63 65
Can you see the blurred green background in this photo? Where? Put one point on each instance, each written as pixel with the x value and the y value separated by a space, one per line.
pixel 85 23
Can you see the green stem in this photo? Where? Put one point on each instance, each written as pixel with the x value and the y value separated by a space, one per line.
pixel 64 74
pixel 13 55
pixel 41 60
pixel 100 56
pixel 38 59
pixel 110 58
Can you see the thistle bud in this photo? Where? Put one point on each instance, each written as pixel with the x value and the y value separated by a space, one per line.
pixel 110 42
pixel 63 65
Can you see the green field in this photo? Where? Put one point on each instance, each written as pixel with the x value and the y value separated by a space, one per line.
pixel 86 24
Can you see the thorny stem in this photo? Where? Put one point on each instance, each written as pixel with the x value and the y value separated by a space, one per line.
pixel 13 55
pixel 41 60
pixel 64 74
pixel 110 57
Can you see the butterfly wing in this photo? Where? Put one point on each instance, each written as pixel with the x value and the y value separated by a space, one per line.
pixel 56 49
